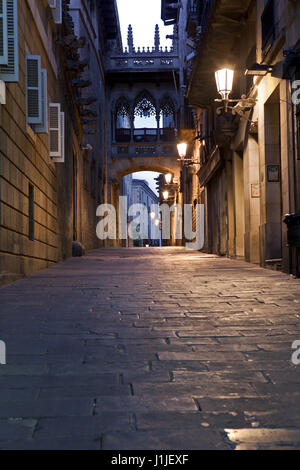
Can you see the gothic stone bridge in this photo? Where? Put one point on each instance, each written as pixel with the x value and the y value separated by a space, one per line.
pixel 143 83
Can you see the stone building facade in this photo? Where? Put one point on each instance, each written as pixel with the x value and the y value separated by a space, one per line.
pixel 53 155
pixel 141 193
pixel 249 173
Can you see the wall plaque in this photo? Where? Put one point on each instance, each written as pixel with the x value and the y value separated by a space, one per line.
pixel 255 190
pixel 273 172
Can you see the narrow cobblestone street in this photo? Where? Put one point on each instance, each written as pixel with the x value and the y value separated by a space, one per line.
pixel 150 349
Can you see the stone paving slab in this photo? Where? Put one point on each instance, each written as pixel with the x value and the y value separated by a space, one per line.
pixel 150 349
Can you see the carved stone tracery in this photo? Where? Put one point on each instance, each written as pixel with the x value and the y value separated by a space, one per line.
pixel 145 105
pixel 166 106
pixel 122 107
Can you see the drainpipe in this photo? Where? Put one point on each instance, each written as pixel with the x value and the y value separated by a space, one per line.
pixel 294 155
pixel 295 183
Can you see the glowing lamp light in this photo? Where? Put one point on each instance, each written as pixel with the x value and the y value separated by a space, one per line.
pixel 182 149
pixel 168 178
pixel 166 195
pixel 152 215
pixel 157 222
pixel 224 80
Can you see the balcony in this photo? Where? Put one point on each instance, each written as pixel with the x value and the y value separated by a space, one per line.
pixel 167 135
pixel 123 135
pixel 145 135
pixel 143 60
pixel 145 142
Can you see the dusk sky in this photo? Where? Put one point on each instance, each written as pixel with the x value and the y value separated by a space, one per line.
pixel 143 16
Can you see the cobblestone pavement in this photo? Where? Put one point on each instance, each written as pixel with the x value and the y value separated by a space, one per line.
pixel 150 349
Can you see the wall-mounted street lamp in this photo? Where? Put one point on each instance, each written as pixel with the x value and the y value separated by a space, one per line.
pixel 224 80
pixel 168 178
pixel 165 195
pixel 170 188
pixel 182 150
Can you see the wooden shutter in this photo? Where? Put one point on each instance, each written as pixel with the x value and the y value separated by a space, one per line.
pixel 2 92
pixel 43 127
pixel 55 130
pixel 9 72
pixel 57 12
pixel 61 159
pixel 3 33
pixel 34 89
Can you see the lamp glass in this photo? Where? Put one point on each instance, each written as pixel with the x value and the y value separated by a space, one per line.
pixel 168 178
pixel 166 195
pixel 182 149
pixel 224 80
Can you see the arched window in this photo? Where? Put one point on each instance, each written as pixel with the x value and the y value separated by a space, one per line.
pixel 122 120
pixel 145 118
pixel 167 119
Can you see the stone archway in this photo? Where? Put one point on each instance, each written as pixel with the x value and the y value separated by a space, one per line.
pixel 123 166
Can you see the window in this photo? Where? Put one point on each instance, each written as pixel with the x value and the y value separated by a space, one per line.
pixel 36 94
pixel 31 212
pixel 3 30
pixel 34 89
pixel 56 6
pixel 9 70
pixel 268 25
pixel 56 133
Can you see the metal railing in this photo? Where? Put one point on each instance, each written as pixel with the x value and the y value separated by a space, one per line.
pixel 145 135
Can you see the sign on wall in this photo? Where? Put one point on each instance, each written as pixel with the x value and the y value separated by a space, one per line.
pixel 273 173
pixel 255 190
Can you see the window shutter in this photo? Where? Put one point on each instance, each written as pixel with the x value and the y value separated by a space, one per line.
pixel 43 127
pixel 3 33
pixel 9 72
pixel 57 12
pixel 61 159
pixel 34 89
pixel 52 3
pixel 55 130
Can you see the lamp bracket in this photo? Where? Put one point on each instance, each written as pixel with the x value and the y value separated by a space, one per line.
pixel 188 161
pixel 242 105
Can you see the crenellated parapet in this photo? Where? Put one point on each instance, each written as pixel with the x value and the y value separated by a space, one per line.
pixel 140 58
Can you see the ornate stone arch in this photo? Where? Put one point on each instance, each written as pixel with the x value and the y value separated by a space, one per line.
pixel 167 106
pixel 167 117
pixel 122 113
pixel 144 105
pixel 122 107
